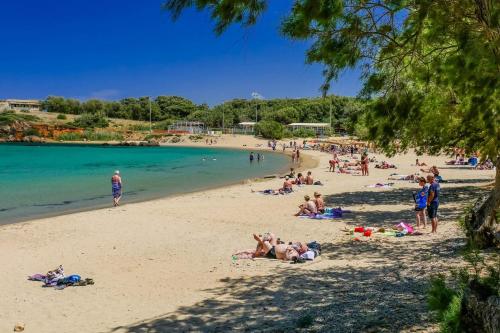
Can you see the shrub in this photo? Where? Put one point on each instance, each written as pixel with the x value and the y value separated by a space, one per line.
pixel 61 116
pixel 163 125
pixel 269 129
pixel 31 132
pixel 304 133
pixel 71 136
pixel 91 120
pixel 9 117
pixel 196 137
pixel 102 136
pixel 304 321
pixel 139 127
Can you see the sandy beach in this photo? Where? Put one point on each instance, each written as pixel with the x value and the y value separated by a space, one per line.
pixel 166 266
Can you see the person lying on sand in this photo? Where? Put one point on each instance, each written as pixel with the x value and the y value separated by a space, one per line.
pixel 268 247
pixel 385 165
pixel 307 208
pixel 418 163
pixel 433 169
pixel 309 178
pixel 402 177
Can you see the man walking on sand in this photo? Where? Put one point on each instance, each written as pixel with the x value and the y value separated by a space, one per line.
pixel 433 201
pixel 116 188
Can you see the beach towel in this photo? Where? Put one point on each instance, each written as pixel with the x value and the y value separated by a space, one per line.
pixel 330 213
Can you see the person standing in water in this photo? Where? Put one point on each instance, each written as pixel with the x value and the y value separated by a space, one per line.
pixel 251 157
pixel 116 188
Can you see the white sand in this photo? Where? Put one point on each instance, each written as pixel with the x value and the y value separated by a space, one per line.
pixel 160 261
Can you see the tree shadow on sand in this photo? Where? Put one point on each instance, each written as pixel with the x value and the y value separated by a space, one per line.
pixel 385 294
pixel 340 300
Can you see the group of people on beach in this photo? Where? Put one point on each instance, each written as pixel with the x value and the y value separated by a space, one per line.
pixel 271 247
pixel 427 199
pixel 252 157
pixel 312 206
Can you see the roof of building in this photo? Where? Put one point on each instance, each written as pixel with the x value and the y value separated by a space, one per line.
pixel 22 101
pixel 247 123
pixel 310 124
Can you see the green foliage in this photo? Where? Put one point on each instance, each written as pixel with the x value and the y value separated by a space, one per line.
pixel 304 133
pixel 430 68
pixel 269 129
pixel 91 136
pixel 91 120
pixel 61 116
pixel 102 136
pixel 163 125
pixel 446 299
pixel 139 127
pixel 71 136
pixel 165 110
pixel 304 321
pixel 31 132
pixel 10 117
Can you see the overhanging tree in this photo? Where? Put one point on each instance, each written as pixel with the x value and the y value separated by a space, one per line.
pixel 431 68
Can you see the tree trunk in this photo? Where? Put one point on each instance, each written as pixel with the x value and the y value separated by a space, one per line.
pixel 481 223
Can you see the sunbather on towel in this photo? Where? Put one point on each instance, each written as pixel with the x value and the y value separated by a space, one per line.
pixel 320 204
pixel 287 185
pixel 309 178
pixel 308 207
pixel 268 247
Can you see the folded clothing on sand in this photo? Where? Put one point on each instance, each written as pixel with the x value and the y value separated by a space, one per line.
pixel 58 280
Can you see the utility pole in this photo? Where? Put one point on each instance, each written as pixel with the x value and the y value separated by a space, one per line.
pixel 150 124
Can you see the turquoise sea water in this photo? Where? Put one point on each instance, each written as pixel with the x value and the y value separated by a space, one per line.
pixel 44 180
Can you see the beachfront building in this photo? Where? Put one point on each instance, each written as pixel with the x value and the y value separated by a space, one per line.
pixel 191 127
pixel 319 128
pixel 20 105
pixel 247 126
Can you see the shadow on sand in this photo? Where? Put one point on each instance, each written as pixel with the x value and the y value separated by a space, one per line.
pixel 387 294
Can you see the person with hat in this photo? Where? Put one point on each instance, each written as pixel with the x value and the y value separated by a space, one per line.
pixel 116 188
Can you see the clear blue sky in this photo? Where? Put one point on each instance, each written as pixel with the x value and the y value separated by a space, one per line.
pixel 123 48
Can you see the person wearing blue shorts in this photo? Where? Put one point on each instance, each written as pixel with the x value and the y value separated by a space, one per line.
pixel 433 201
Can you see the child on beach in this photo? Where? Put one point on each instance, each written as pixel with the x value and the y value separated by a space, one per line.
pixel 421 203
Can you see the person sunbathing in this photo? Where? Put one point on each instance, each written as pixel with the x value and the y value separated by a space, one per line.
pixel 287 185
pixel 385 165
pixel 268 247
pixel 318 201
pixel 402 177
pixel 300 180
pixel 307 208
pixel 433 169
pixel 417 163
pixel 309 178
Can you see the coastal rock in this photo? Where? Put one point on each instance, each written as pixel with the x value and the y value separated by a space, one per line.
pixel 33 139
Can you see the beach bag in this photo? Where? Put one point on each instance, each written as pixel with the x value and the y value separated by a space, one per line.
pixel 315 247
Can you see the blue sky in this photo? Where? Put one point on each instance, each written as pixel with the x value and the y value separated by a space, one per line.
pixel 113 49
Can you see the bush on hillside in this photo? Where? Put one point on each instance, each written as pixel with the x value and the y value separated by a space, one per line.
pixel 91 120
pixel 61 116
pixel 9 117
pixel 269 129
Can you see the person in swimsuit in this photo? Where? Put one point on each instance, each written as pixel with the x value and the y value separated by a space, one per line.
pixel 307 208
pixel 268 247
pixel 287 185
pixel 309 178
pixel 320 204
pixel 116 188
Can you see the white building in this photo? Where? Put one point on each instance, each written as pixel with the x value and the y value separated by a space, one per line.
pixel 20 105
